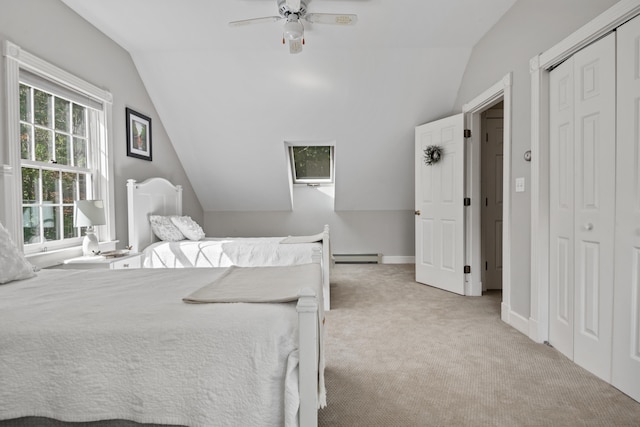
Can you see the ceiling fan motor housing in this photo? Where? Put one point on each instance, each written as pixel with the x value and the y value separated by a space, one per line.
pixel 285 10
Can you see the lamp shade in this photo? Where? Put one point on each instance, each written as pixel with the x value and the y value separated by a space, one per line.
pixel 88 213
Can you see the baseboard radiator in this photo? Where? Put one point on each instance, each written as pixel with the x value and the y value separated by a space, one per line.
pixel 357 258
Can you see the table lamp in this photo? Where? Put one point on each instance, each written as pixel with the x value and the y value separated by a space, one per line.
pixel 89 213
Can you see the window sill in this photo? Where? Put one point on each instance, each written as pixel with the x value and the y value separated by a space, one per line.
pixel 56 257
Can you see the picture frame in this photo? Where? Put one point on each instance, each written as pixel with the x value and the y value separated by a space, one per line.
pixel 138 135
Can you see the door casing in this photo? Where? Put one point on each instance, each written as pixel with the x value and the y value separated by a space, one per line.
pixel 500 91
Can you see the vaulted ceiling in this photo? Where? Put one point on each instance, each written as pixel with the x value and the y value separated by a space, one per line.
pixel 229 97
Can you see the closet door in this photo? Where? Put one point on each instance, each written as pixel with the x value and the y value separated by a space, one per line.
pixel 561 265
pixel 582 193
pixel 626 335
pixel 595 148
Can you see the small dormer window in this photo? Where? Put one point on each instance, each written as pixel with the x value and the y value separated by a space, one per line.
pixel 312 164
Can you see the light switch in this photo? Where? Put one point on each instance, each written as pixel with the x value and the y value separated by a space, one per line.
pixel 520 185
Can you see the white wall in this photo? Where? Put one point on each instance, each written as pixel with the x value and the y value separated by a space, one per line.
pixel 528 28
pixel 50 30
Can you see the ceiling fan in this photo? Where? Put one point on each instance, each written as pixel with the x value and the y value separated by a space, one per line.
pixel 293 12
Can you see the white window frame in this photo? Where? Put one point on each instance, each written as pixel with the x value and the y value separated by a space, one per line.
pixel 16 59
pixel 291 161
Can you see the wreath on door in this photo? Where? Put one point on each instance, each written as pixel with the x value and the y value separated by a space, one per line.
pixel 432 155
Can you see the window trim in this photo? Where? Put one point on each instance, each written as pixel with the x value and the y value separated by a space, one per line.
pixel 17 59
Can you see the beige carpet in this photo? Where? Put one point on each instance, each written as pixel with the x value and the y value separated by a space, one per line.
pixel 404 354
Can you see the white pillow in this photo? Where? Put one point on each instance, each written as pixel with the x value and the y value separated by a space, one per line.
pixel 188 227
pixel 164 229
pixel 13 264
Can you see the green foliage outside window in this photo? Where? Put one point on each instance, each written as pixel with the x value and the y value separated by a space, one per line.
pixel 312 162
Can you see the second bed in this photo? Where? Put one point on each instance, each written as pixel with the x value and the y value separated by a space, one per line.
pixel 157 196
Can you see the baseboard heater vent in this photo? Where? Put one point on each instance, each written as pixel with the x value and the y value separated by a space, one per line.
pixel 357 258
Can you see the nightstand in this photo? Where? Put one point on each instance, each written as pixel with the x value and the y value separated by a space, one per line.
pixel 132 260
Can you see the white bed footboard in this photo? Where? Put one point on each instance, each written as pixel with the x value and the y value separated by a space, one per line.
pixel 308 366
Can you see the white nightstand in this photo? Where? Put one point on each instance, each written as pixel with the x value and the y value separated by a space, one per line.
pixel 132 260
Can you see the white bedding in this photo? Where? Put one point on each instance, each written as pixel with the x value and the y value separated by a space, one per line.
pixel 91 345
pixel 225 252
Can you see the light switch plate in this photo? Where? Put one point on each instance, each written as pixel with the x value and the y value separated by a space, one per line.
pixel 520 185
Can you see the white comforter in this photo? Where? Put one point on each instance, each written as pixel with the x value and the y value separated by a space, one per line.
pixel 225 252
pixel 90 345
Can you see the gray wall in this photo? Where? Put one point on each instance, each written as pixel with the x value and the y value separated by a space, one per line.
pixel 387 232
pixel 52 31
pixel 530 27
pixel 390 233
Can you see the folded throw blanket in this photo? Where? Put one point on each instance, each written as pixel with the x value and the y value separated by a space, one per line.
pixel 260 284
pixel 303 239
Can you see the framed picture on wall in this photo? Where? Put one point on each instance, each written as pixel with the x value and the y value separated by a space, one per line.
pixel 138 135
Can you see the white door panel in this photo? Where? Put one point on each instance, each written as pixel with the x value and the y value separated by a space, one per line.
pixel 626 335
pixel 595 147
pixel 439 192
pixel 561 192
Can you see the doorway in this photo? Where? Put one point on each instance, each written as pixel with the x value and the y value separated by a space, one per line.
pixel 491 201
pixel 491 171
pixel 497 97
pixel 448 207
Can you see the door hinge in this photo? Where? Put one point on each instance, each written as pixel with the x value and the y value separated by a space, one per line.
pixel 467 269
pixel 467 133
pixel 467 201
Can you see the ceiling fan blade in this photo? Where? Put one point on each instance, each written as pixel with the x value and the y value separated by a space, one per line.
pixel 295 45
pixel 331 18
pixel 254 21
pixel 294 5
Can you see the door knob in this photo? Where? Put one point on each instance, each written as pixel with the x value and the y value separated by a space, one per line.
pixel 588 226
pixel 417 212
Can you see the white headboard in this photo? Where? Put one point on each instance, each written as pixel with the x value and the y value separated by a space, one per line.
pixel 155 196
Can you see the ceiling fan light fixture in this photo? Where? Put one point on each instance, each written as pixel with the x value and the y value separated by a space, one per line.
pixel 293 29
pixel 293 12
pixel 295 45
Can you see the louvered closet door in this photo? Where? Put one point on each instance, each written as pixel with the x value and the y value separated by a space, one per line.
pixel 583 206
pixel 626 335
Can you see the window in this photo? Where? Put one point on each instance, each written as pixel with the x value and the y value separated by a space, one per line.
pixel 55 164
pixel 58 150
pixel 311 164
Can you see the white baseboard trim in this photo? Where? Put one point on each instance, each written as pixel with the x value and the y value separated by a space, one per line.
pixel 398 259
pixel 518 322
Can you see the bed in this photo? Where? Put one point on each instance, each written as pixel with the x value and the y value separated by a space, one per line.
pixel 92 345
pixel 159 197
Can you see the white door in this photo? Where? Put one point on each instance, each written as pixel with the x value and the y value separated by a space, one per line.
pixel 439 197
pixel 595 148
pixel 626 335
pixel 582 190
pixel 561 208
pixel 491 217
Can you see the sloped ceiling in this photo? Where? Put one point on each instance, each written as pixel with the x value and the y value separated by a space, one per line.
pixel 229 97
